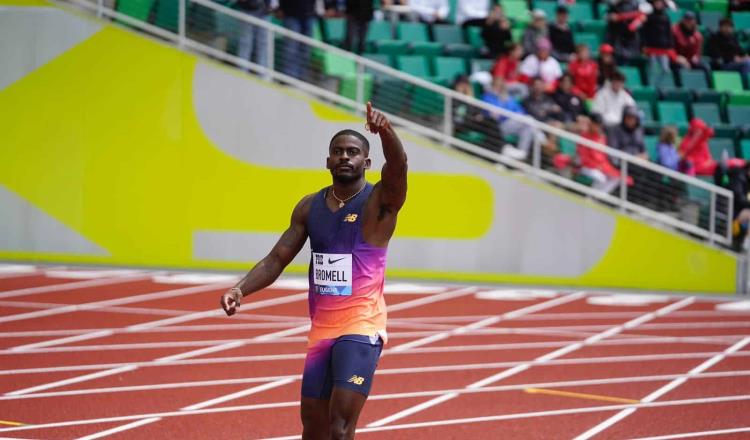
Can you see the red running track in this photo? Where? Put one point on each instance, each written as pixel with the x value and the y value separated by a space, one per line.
pixel 89 354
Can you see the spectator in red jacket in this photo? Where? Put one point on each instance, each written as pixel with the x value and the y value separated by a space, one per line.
pixel 688 42
pixel 507 66
pixel 694 149
pixel 585 72
pixel 594 163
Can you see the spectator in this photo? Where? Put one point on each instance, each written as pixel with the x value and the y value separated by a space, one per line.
pixel 585 72
pixel 607 63
pixel 611 100
pixel 496 32
pixel 627 136
pixel 725 50
pixel 297 16
pixel 535 31
pixel 253 40
pixel 561 36
pixel 472 12
pixel 688 42
pixel 527 135
pixel 594 163
pixel 358 16
pixel 468 119
pixel 429 11
pixel 739 184
pixel 571 105
pixel 539 105
pixel 541 64
pixel 623 20
pixel 668 155
pixel 694 149
pixel 507 68
pixel 658 43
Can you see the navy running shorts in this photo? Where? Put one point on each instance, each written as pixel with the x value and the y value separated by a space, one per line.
pixel 348 361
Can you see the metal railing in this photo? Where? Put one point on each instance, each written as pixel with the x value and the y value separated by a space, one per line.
pixel 659 195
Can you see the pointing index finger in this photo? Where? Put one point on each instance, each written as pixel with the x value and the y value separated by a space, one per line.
pixel 369 110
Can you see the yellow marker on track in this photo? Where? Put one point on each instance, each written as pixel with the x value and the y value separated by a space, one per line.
pixel 579 395
pixel 9 423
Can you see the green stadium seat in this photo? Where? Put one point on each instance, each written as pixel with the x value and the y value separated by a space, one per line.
pixel 568 147
pixel 591 40
pixel 138 9
pixel 633 76
pixel 741 21
pixel 427 103
pixel 428 48
pixel 380 58
pixel 687 5
pixel 474 36
pixel 720 6
pixel 391 95
pixel 337 65
pixel 739 116
pixel 412 32
pixel 416 65
pixel 391 47
pixel 581 12
pixel 348 86
pixel 165 15
pixel 710 20
pixel 745 149
pixel 517 11
pixel 674 15
pixel 651 147
pixel 448 34
pixel 730 83
pixel 644 94
pixel 597 27
pixel 447 68
pixel 481 65
pixel 460 50
pixel 684 96
pixel 696 81
pixel 650 124
pixel 379 30
pixel 549 8
pixel 711 114
pixel 334 30
pixel 718 145
pixel 673 113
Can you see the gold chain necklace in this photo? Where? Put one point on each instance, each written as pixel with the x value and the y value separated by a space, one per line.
pixel 341 202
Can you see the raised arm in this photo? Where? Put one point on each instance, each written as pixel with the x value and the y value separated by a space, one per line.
pixel 393 174
pixel 270 267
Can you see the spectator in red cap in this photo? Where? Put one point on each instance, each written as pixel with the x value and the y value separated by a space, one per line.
pixel 585 72
pixel 688 42
pixel 607 63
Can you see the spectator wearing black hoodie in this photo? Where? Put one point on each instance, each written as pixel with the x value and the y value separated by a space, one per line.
pixel 297 16
pixel 358 16
pixel 658 43
pixel 628 136
pixel 496 32
pixel 539 104
pixel 570 104
pixel 725 50
pixel 561 36
pixel 623 21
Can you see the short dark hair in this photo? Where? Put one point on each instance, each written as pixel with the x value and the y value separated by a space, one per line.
pixel 618 76
pixel 356 134
pixel 726 21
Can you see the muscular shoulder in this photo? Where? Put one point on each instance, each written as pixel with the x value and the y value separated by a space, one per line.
pixel 302 209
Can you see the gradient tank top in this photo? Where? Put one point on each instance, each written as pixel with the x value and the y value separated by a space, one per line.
pixel 346 274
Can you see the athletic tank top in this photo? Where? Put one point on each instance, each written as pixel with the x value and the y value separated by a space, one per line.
pixel 346 274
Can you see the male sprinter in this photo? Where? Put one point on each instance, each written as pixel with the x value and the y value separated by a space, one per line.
pixel 349 224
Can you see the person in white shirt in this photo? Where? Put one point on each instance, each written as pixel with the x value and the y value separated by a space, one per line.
pixel 611 99
pixel 430 11
pixel 541 64
pixel 472 12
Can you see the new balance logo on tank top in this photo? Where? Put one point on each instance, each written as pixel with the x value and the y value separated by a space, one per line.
pixel 346 274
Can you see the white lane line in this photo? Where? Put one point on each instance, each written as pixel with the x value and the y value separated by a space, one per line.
pixel 664 390
pixel 267 358
pixel 70 286
pixel 541 360
pixel 384 372
pixel 431 299
pixel 489 321
pixel 72 380
pixel 117 429
pixel 240 408
pixel 167 359
pixel 238 394
pixel 95 305
pixel 696 434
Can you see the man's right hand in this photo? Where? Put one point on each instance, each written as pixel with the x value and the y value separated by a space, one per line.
pixel 230 301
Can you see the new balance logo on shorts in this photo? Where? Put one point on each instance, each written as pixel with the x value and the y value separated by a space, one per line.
pixel 356 380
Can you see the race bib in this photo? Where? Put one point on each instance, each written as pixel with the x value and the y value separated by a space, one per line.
pixel 332 274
